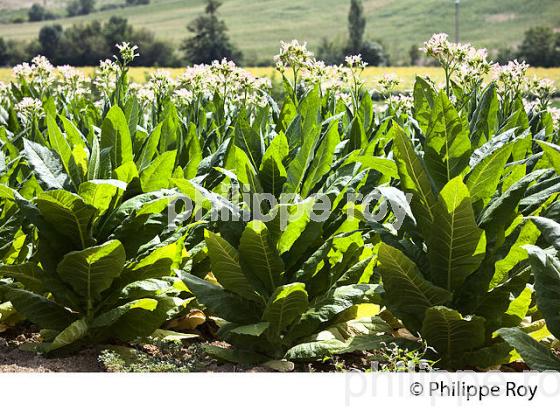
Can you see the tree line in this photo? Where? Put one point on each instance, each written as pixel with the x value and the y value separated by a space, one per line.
pixel 38 12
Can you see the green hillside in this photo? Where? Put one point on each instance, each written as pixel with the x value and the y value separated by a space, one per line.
pixel 257 26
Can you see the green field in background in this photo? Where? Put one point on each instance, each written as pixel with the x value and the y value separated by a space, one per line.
pixel 257 26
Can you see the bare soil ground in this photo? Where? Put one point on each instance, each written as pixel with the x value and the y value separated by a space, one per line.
pixel 15 359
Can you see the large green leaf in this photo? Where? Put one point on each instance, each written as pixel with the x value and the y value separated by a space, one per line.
pixel 68 215
pixel 91 271
pixel 73 134
pixel 101 193
pixel 528 234
pixel 194 152
pixel 255 329
pixel 158 174
pixel 340 298
pixel 235 355
pixel 40 310
pixel 315 350
pixel 484 178
pixel 59 143
pixel 222 303
pixel 227 268
pixel 112 316
pixel 272 172
pixel 457 246
pixel 299 165
pixel 322 161
pixel 484 121
pixel 157 264
pixel 327 348
pixel 552 153
pixel 448 146
pixel 73 333
pixel 414 179
pixel 546 269
pixel 502 209
pixel 150 148
pixel 259 258
pixel 248 140
pixel 289 223
pixel 29 274
pixel 115 135
pixel 46 165
pixel 286 305
pixel 94 168
pixel 452 334
pixel 550 230
pixel 535 355
pixel 407 293
pixel 424 100
pixel 384 166
pixel 142 317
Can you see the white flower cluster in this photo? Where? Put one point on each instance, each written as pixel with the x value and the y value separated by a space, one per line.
pixel 182 97
pixel 467 64
pixel 447 53
pixel 202 82
pixel 387 84
pixel 339 80
pixel 64 81
pixel 401 104
pixel 293 55
pixel 72 83
pixel 159 85
pixel 29 109
pixel 127 52
pixel 331 78
pixel 237 85
pixel 356 62
pixel 541 89
pixel 40 74
pixel 472 72
pixel 555 114
pixel 512 77
pixel 105 77
pixel 199 80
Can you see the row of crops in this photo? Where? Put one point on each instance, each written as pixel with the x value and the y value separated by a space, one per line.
pixel 316 223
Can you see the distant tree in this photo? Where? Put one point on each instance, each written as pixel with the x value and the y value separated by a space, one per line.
pixel 329 52
pixel 356 26
pixel 210 40
pixel 80 7
pixel 17 52
pixel 137 2
pixel 73 8
pixel 153 52
pixel 4 54
pixel 49 41
pixel 117 30
pixel 39 13
pixel 414 54
pixel 373 53
pixel 540 47
pixel 84 45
